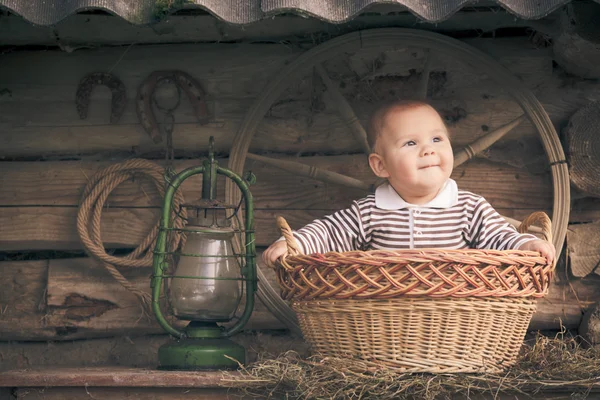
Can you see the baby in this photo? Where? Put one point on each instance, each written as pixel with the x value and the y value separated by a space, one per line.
pixel 419 206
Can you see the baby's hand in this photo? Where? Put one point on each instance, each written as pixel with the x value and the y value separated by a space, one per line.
pixel 547 249
pixel 274 251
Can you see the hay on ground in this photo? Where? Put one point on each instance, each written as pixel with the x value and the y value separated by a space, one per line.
pixel 559 364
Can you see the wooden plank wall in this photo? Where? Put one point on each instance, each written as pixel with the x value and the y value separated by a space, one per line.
pixel 49 153
pixel 85 30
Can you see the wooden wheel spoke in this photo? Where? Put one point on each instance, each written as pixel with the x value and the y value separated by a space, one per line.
pixel 485 141
pixel 424 82
pixel 345 110
pixel 310 171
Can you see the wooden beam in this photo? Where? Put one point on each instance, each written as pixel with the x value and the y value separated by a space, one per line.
pixel 556 392
pixel 105 377
pixel 127 351
pixel 24 315
pixel 212 64
pixel 565 304
pixel 67 299
pixel 22 294
pixel 59 112
pixel 326 135
pixel 61 183
pixel 83 292
pixel 585 210
pixel 40 228
pixel 53 228
pixel 143 393
pixel 90 30
pixel 38 207
pixel 39 117
pixel 27 184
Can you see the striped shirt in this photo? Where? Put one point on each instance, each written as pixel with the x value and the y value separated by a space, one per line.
pixel 454 219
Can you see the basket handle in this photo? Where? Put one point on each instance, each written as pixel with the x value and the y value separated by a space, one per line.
pixel 541 219
pixel 286 231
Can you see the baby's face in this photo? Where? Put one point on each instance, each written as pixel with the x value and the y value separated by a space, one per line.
pixel 415 152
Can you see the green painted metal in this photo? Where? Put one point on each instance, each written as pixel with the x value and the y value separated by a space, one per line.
pixel 203 349
pixel 202 346
pixel 209 179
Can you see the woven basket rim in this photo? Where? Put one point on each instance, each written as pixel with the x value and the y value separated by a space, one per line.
pixel 434 272
pixel 422 251
pixel 440 273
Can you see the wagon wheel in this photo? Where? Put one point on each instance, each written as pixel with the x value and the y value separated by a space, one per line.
pixel 433 48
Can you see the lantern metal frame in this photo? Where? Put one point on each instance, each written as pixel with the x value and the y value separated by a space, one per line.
pixel 203 345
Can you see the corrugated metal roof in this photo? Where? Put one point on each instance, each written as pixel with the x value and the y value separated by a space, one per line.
pixel 49 12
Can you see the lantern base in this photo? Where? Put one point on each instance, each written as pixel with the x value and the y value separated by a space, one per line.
pixel 201 354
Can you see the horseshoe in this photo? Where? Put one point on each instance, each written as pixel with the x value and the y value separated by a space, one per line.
pixel 86 86
pixel 144 99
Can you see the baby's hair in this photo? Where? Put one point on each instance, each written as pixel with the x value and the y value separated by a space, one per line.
pixel 378 117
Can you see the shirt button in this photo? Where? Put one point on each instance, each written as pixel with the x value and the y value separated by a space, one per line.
pixel 417 212
pixel 419 233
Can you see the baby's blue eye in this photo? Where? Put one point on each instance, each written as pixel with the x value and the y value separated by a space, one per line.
pixel 437 139
pixel 410 143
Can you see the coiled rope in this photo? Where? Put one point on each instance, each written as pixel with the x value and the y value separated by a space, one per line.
pixel 89 216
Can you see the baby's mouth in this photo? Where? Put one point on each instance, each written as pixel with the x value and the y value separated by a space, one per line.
pixel 429 166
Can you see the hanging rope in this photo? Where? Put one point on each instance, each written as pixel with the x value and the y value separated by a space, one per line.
pixel 90 212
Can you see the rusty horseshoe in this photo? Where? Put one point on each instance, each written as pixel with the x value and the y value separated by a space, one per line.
pixel 185 82
pixel 86 86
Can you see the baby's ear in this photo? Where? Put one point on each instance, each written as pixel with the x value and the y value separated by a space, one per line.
pixel 377 165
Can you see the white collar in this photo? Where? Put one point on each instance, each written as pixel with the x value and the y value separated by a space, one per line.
pixel 387 198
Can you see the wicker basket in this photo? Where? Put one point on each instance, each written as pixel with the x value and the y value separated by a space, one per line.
pixel 431 310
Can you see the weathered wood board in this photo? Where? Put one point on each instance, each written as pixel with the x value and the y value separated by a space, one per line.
pixel 66 299
pixel 107 393
pixel 78 31
pixel 39 117
pixel 39 205
pixel 23 299
pixel 61 184
pixel 125 351
pixel 585 210
pixel 84 393
pixel 84 292
pixel 25 314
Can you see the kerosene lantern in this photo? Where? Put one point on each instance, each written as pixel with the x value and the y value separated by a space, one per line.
pixel 208 278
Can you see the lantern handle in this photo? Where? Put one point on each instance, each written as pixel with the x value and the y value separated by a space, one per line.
pixel 160 263
pixel 249 270
pixel 209 177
